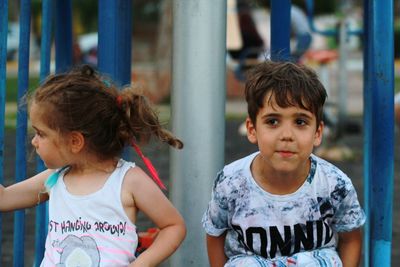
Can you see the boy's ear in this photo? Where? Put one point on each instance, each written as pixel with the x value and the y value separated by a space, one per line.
pixel 251 131
pixel 77 141
pixel 318 134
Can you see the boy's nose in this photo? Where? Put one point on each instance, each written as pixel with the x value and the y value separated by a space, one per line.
pixel 286 133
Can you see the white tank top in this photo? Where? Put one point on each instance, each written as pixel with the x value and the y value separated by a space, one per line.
pixel 91 230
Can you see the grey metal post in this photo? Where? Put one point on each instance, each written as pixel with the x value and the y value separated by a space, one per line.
pixel 342 66
pixel 198 115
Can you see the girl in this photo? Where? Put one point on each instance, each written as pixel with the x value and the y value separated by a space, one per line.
pixel 82 123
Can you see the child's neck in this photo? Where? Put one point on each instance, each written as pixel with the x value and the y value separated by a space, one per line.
pixel 276 182
pixel 90 165
pixel 88 177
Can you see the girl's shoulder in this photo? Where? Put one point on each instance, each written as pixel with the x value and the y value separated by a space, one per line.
pixel 135 178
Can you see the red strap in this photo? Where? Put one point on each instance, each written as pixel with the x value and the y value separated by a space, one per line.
pixel 149 166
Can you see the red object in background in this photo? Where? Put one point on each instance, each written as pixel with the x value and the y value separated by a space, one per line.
pixel 321 56
pixel 146 239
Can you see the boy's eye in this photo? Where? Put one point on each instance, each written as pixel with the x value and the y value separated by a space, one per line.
pixel 272 122
pixel 301 122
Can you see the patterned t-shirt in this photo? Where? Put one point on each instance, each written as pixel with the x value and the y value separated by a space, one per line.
pixel 257 222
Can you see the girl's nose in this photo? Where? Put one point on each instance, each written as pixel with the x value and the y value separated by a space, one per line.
pixel 33 142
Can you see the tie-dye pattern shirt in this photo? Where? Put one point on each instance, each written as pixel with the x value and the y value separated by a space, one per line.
pixel 257 222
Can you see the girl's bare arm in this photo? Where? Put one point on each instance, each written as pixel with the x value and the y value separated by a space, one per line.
pixel 25 194
pixel 149 199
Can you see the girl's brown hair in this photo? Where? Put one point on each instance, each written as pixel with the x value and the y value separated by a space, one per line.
pixel 82 100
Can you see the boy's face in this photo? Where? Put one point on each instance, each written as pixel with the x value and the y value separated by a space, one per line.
pixel 285 136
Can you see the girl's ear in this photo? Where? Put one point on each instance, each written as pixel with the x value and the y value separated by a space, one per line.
pixel 251 131
pixel 77 141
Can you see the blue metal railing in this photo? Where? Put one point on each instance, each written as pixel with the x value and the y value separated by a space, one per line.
pixel 45 56
pixel 379 129
pixel 22 119
pixel 280 29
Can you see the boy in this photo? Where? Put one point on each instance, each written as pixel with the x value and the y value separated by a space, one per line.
pixel 283 206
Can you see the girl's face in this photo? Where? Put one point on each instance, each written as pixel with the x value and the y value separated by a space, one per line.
pixel 47 142
pixel 285 137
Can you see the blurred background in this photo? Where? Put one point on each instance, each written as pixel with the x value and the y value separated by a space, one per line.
pixel 152 43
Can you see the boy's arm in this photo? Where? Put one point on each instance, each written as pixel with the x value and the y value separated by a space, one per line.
pixel 149 199
pixel 25 194
pixel 215 249
pixel 350 247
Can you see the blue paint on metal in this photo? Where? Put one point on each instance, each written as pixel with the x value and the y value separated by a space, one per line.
pixel 367 137
pixel 115 40
pixel 63 35
pixel 45 56
pixel 379 127
pixel 115 43
pixel 381 248
pixel 280 29
pixel 20 164
pixel 3 74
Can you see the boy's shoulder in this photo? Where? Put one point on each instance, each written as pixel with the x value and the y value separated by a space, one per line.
pixel 330 174
pixel 240 164
pixel 327 167
pixel 236 170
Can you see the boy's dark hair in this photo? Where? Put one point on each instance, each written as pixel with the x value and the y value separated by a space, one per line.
pixel 291 84
pixel 82 100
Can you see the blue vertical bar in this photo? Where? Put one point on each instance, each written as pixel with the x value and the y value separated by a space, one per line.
pixel 3 74
pixel 280 29
pixel 379 127
pixel 115 42
pixel 20 164
pixel 367 133
pixel 45 57
pixel 63 35
pixel 115 39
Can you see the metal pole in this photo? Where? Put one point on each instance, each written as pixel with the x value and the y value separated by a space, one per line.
pixel 45 57
pixel 63 35
pixel 280 29
pixel 379 127
pixel 3 74
pixel 367 98
pixel 115 40
pixel 22 119
pixel 198 115
pixel 115 43
pixel 342 66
